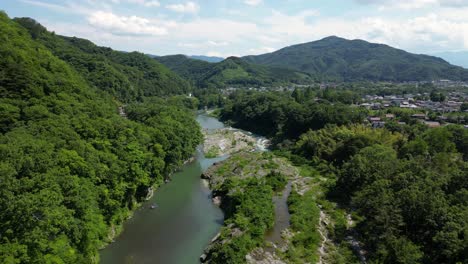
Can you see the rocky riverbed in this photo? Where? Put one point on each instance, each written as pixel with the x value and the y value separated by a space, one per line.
pixel 225 141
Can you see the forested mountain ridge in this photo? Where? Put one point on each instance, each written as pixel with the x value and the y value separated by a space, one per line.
pixel 231 72
pixel 335 58
pixel 128 76
pixel 71 168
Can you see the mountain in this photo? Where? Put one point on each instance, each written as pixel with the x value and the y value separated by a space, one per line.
pixel 335 58
pixel 71 168
pixel 207 58
pixel 232 71
pixel 125 75
pixel 459 58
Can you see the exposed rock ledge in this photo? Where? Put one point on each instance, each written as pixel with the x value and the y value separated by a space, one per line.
pixel 225 141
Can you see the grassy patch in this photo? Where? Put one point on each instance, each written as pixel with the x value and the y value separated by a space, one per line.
pixel 213 152
pixel 250 213
pixel 304 220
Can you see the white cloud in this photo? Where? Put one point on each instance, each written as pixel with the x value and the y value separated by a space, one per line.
pixel 414 4
pixel 147 3
pixel 443 27
pixel 261 50
pixel 189 7
pixel 69 8
pixel 426 33
pixel 217 43
pixel 201 44
pixel 152 4
pixel 223 30
pixel 125 25
pixel 253 2
pixel 285 27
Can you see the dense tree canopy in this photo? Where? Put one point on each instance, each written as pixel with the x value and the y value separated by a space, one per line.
pixel 231 72
pixel 279 115
pixel 127 76
pixel 339 59
pixel 406 183
pixel 71 168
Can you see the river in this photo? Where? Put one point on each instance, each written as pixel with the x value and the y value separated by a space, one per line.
pixel 183 224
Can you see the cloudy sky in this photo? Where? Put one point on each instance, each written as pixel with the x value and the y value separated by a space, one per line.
pixel 241 27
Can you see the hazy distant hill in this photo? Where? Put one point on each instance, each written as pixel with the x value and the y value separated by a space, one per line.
pixel 232 71
pixel 351 60
pixel 459 58
pixel 207 58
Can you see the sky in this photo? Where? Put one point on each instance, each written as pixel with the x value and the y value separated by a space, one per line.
pixel 248 27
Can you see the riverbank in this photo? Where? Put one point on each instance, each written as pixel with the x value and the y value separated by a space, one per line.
pixel 247 185
pixel 227 141
pixel 181 226
pixel 244 186
pixel 116 229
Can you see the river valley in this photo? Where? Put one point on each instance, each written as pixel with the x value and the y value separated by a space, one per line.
pixel 184 220
pixel 183 223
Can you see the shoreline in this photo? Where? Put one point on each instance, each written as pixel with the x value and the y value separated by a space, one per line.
pixel 243 166
pixel 116 230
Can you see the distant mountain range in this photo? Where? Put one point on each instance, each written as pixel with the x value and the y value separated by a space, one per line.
pixel 328 59
pixel 232 71
pixel 207 58
pixel 195 57
pixel 335 58
pixel 459 58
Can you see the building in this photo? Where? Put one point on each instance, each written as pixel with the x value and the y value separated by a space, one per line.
pixel 431 124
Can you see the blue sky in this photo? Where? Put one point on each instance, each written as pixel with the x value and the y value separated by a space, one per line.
pixel 242 27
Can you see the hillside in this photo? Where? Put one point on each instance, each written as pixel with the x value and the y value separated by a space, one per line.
pixel 127 76
pixel 190 69
pixel 72 169
pixel 340 59
pixel 230 72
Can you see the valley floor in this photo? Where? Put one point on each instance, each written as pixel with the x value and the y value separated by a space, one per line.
pixel 245 186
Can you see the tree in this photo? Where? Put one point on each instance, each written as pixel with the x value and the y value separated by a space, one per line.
pixel 464 106
pixel 437 96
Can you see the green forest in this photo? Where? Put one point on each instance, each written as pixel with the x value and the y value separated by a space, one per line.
pixel 405 184
pixel 338 59
pixel 87 133
pixel 232 71
pixel 126 76
pixel 72 168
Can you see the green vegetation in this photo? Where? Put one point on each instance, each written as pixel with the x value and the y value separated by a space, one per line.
pixel 339 59
pixel 276 180
pixel 280 116
pixel 127 76
pixel 230 72
pixel 71 168
pixel 247 183
pixel 304 221
pixel 213 152
pixel 406 186
pixel 249 214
